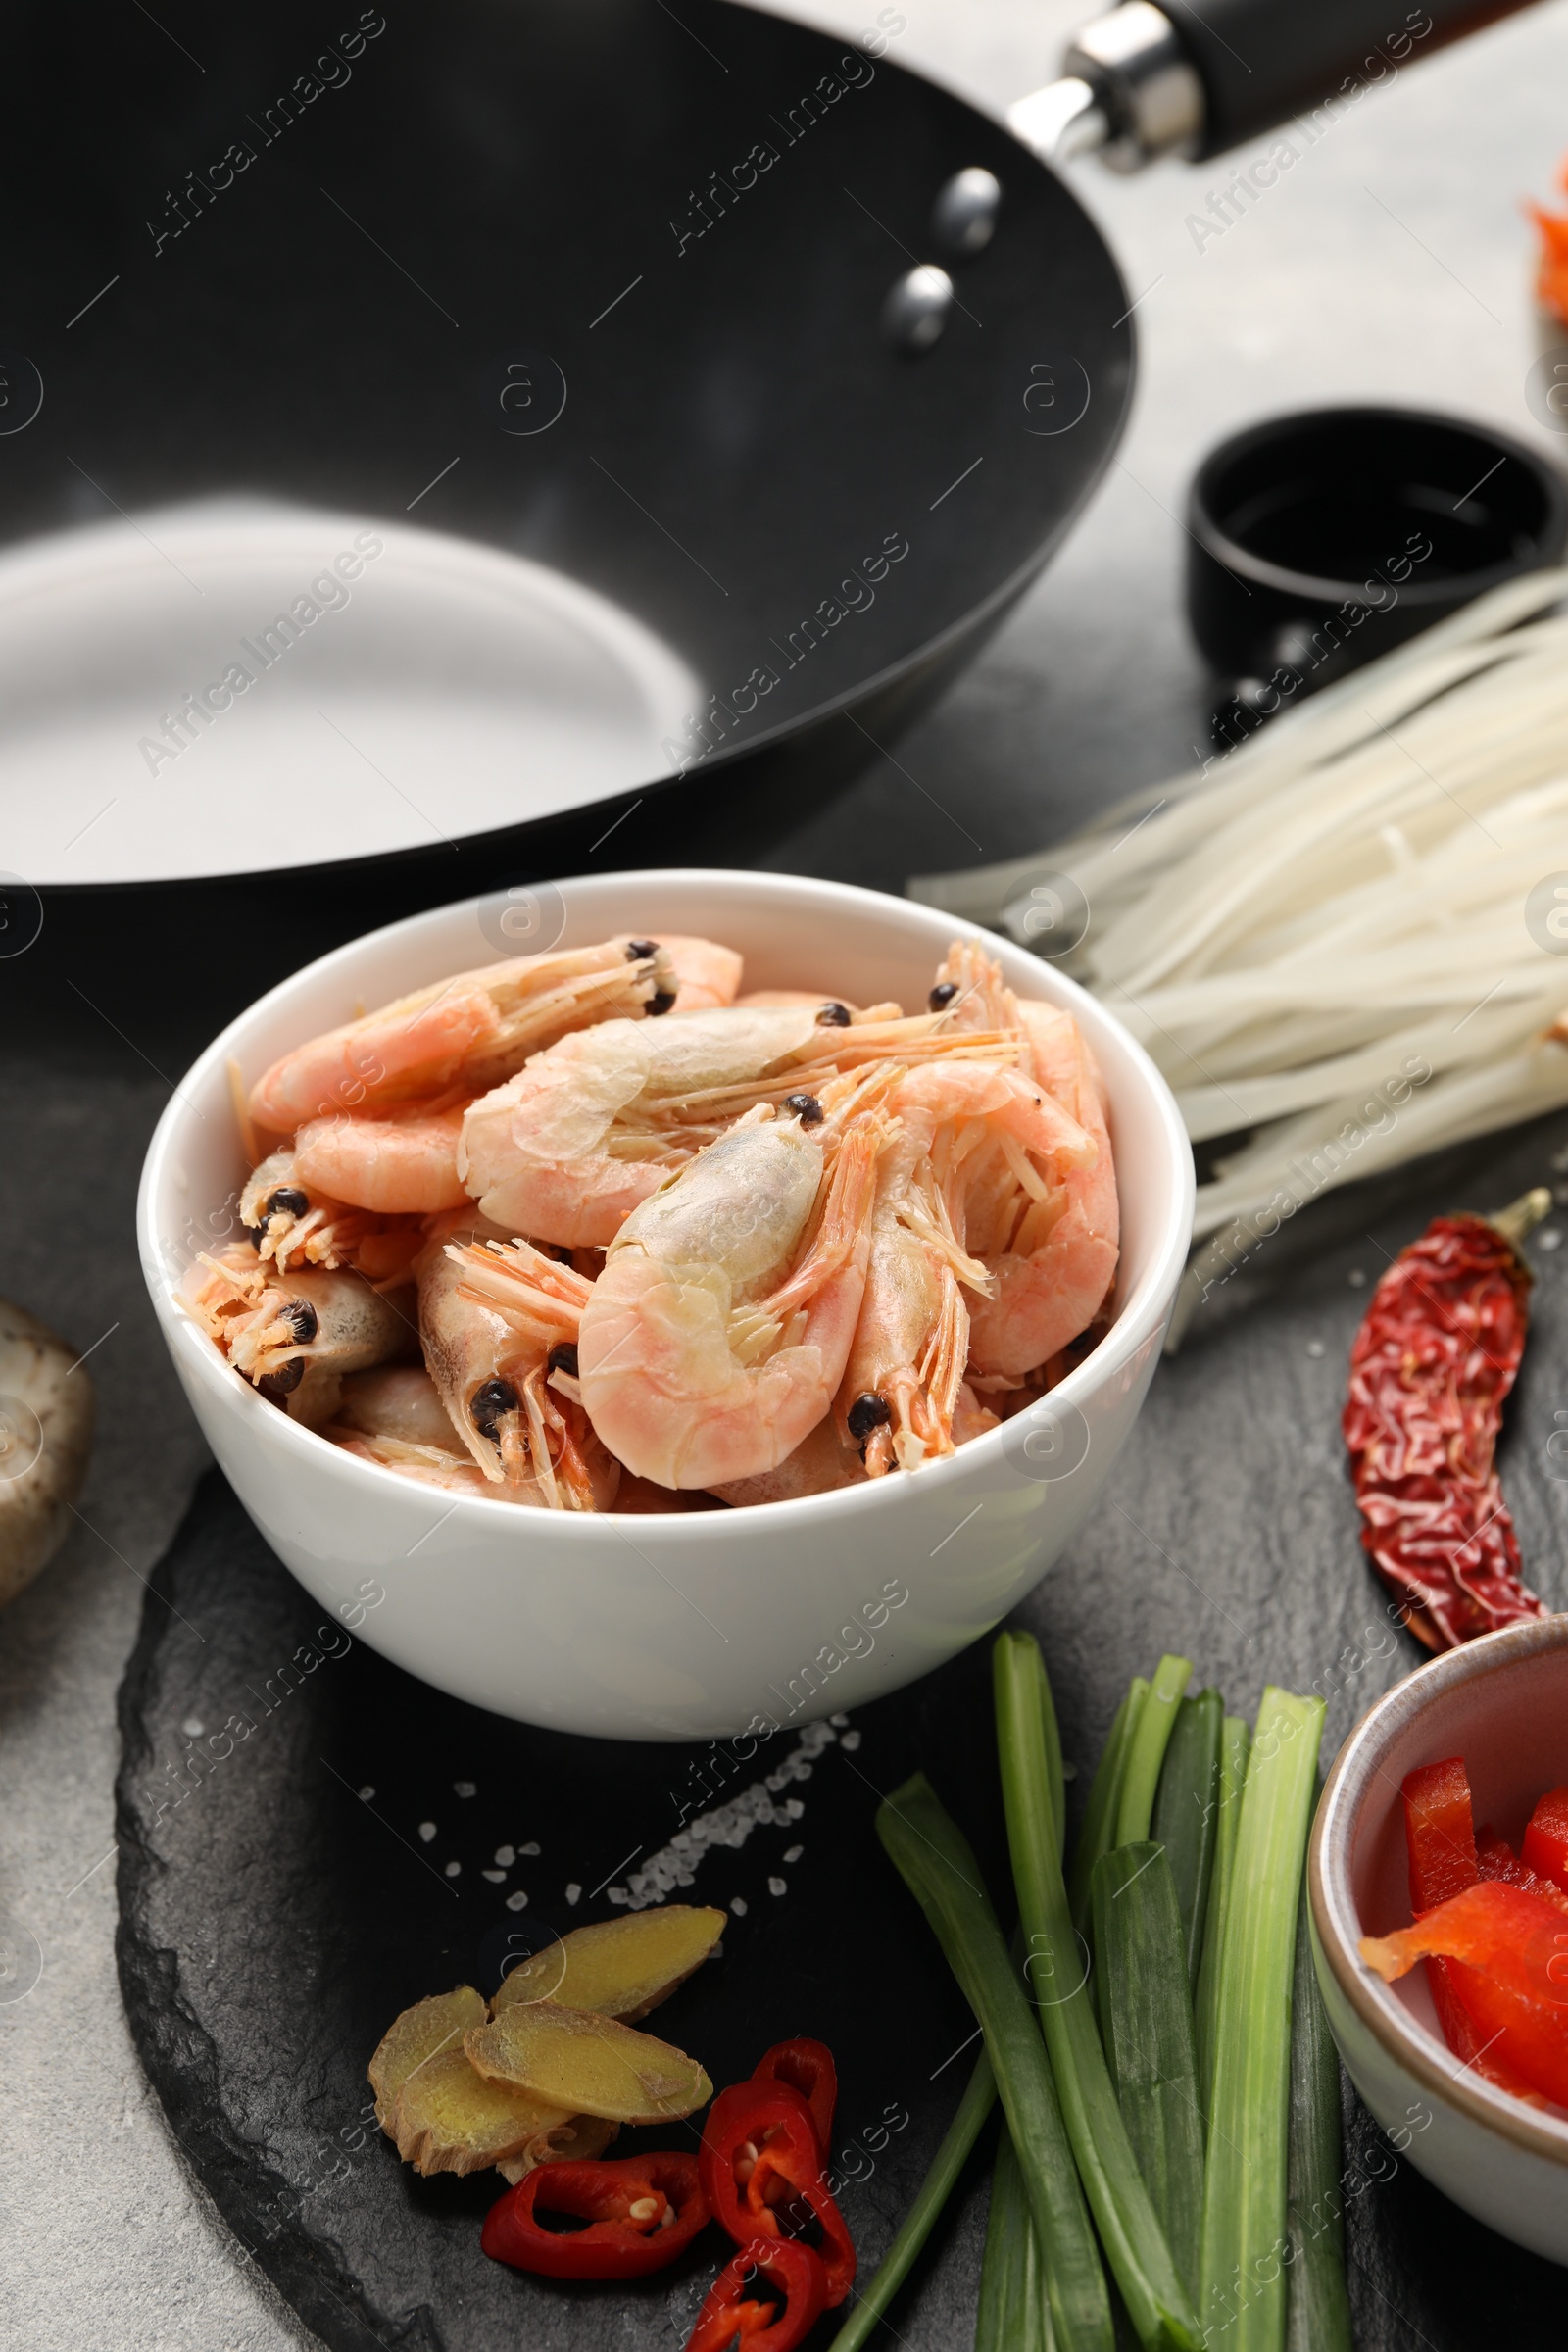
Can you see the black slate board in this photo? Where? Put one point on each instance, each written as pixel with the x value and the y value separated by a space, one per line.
pixel 273 1917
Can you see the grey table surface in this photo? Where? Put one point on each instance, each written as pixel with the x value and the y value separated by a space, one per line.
pixel 1392 263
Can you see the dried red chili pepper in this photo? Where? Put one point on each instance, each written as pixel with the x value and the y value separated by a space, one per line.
pixel 1434 1360
pixel 730 2315
pixel 806 2065
pixel 761 2169
pixel 641 2211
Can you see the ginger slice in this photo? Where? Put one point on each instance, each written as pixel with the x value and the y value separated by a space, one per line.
pixel 586 2064
pixel 417 2036
pixel 618 1968
pixel 583 2138
pixel 450 2119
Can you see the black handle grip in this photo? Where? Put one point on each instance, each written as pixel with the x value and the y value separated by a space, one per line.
pixel 1262 61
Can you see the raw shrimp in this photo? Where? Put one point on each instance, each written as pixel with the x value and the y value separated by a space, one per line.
pixel 401 1164
pixel 567 1148
pixel 1055 1271
pixel 294 1335
pixel 714 1340
pixel 957 1120
pixel 707 974
pixel 498 1320
pixel 480 1026
pixel 297 1224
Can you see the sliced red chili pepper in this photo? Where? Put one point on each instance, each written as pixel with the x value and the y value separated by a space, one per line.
pixel 1546 1848
pixel 730 2315
pixel 640 2212
pixel 1430 1371
pixel 762 2168
pixel 1440 1840
pixel 808 2067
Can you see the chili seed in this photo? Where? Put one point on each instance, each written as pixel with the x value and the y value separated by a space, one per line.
pixel 868 1411
pixel 805 1108
pixel 487 1404
pixel 563 1357
pixel 285 1380
pixel 287 1201
pixel 834 1015
pixel 638 950
pixel 646 2209
pixel 943 994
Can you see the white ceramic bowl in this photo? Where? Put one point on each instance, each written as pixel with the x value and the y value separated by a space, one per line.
pixel 703 1624
pixel 1502 1704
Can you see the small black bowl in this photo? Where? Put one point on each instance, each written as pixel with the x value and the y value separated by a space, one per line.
pixel 1322 539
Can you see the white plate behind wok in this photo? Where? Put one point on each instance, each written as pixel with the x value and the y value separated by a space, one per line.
pixel 456 690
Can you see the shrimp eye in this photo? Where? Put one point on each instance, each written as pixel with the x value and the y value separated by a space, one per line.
pixel 943 994
pixel 660 1002
pixel 557 1251
pixel 287 1201
pixel 563 1357
pixel 301 1315
pixel 256 1235
pixel 834 1015
pixel 805 1108
pixel 285 1380
pixel 866 1413
pixel 638 950
pixel 488 1403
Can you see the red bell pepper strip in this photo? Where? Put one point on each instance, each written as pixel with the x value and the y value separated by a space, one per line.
pixel 1431 1368
pixel 761 2166
pixel 641 2211
pixel 1513 1947
pixel 731 2317
pixel 808 2067
pixel 1497 1860
pixel 1441 1841
pixel 1546 1848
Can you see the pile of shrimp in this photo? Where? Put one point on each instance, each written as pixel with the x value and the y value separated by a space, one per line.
pixel 595 1231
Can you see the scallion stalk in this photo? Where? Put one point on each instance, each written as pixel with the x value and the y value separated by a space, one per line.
pixel 872 2301
pixel 1186 1811
pixel 1148 2018
pixel 1098 1833
pixel 1014 2315
pixel 1135 2247
pixel 1317 2304
pixel 935 1860
pixel 1243 2291
pixel 1235 1742
pixel 1145 1750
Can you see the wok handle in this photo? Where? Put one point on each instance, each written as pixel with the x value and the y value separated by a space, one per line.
pixel 1145 80
pixel 1262 61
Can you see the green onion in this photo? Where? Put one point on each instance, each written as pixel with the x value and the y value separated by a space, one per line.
pixel 1136 2248
pixel 871 2304
pixel 1149 2036
pixel 1318 2306
pixel 1145 1750
pixel 1099 1831
pixel 1235 1742
pixel 937 1865
pixel 1014 2315
pixel 1242 2294
pixel 1186 1811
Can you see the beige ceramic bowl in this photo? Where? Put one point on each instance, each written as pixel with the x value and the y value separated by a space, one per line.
pixel 1502 1704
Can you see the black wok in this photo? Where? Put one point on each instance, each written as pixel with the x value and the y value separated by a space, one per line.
pixel 606 285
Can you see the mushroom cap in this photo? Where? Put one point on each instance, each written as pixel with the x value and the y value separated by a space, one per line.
pixel 46 1416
